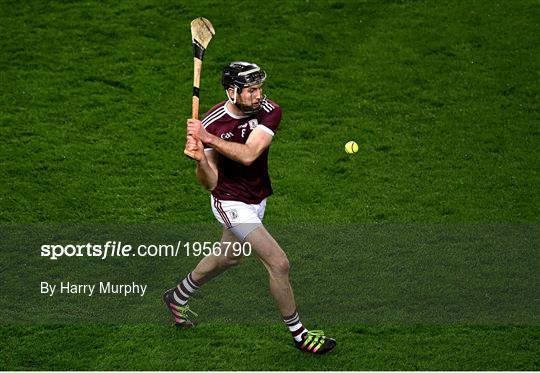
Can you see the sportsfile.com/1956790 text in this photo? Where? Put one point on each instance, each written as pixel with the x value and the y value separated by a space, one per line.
pixel 119 249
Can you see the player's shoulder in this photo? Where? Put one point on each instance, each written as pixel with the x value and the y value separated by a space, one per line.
pixel 216 112
pixel 270 112
pixel 269 116
pixel 215 108
pixel 269 106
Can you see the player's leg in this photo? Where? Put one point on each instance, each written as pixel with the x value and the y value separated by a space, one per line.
pixel 276 262
pixel 209 267
pixel 212 265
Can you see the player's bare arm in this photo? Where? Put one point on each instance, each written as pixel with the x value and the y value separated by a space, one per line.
pixel 246 153
pixel 206 169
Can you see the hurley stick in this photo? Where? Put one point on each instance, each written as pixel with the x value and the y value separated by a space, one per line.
pixel 201 34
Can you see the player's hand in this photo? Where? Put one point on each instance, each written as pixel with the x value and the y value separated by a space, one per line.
pixel 195 146
pixel 196 129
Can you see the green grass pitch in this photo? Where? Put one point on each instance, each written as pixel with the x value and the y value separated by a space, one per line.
pixel 442 98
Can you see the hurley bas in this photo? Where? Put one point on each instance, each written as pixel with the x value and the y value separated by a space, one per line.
pixel 90 289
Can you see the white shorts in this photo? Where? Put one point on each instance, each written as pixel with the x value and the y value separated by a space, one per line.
pixel 241 218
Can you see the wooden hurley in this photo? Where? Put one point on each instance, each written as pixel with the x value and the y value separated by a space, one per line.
pixel 201 34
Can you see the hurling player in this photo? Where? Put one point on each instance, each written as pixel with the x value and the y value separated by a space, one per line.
pixel 230 146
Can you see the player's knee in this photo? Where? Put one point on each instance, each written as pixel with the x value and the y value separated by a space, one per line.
pixel 281 267
pixel 231 261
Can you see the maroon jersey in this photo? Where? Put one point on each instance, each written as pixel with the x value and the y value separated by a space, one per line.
pixel 237 182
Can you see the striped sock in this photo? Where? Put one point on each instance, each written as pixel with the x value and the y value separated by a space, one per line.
pixel 295 326
pixel 184 290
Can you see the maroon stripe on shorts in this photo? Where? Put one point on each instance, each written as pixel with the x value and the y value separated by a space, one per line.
pixel 222 213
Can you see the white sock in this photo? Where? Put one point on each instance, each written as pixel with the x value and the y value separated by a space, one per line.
pixel 295 326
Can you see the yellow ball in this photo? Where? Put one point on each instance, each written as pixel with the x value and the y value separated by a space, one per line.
pixel 351 147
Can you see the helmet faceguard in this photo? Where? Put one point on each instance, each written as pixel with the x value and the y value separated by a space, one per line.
pixel 239 75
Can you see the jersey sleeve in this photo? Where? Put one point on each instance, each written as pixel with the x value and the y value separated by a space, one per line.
pixel 213 131
pixel 271 118
pixel 209 121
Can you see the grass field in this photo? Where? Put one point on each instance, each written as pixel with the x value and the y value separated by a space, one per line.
pixel 442 99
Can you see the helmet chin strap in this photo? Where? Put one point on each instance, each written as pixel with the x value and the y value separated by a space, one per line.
pixel 250 110
pixel 231 100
